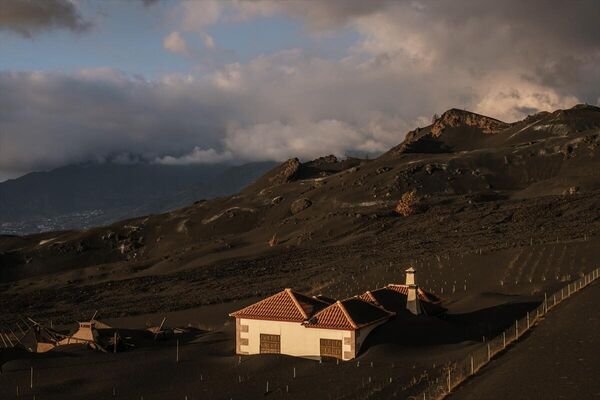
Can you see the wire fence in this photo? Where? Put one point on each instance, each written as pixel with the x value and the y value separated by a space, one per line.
pixel 454 374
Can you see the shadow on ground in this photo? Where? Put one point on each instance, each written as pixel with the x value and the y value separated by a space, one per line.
pixel 407 329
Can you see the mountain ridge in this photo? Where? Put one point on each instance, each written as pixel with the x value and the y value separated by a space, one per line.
pixel 306 223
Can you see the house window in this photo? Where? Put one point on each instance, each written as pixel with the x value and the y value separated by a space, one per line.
pixel 270 344
pixel 331 348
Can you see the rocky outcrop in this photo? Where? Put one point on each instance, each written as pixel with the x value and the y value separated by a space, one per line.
pixel 128 242
pixel 326 160
pixel 430 139
pixel 286 172
pixel 455 117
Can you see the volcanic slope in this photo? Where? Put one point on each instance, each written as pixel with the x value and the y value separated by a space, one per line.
pixel 558 357
pixel 502 207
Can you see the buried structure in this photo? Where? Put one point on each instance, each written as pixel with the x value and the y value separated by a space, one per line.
pixel 93 334
pixel 295 324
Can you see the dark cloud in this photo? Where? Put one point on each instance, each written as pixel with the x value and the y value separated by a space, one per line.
pixel 52 119
pixel 28 17
pixel 150 2
pixel 411 59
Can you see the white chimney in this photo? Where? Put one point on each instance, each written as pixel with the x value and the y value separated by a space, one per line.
pixel 410 276
pixel 412 300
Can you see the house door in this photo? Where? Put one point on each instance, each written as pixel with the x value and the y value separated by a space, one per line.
pixel 331 348
pixel 270 344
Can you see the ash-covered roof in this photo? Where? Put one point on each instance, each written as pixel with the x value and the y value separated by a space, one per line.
pixel 349 314
pixel 393 298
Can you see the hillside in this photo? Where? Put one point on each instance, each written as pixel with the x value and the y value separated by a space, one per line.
pixel 495 189
pixel 82 196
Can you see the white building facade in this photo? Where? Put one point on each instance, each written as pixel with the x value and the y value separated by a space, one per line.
pixel 313 327
pixel 294 324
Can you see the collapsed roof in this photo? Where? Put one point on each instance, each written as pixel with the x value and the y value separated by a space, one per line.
pixel 393 297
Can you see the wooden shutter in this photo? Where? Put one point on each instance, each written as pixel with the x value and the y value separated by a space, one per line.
pixel 270 344
pixel 331 348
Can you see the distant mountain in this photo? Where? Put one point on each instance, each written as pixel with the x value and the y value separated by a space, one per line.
pixel 80 196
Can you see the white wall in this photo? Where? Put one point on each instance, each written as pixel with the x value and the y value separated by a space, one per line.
pixel 296 340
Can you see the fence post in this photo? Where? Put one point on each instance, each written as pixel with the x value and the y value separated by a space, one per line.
pixel 516 329
pixel 472 367
pixel 489 353
pixel 449 388
pixel 31 378
pixel 527 320
pixel 545 303
pixel 504 339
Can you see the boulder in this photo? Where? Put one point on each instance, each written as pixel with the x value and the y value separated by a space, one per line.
pixel 276 200
pixel 300 205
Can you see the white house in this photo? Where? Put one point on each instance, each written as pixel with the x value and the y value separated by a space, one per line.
pixel 298 325
pixel 295 324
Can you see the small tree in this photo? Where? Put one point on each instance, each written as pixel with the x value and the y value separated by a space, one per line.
pixel 434 118
pixel 407 204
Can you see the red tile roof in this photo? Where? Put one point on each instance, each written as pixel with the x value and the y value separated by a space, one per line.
pixel 398 288
pixel 349 314
pixel 286 305
pixel 368 296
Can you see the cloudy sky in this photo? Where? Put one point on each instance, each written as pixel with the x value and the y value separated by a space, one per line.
pixel 181 82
